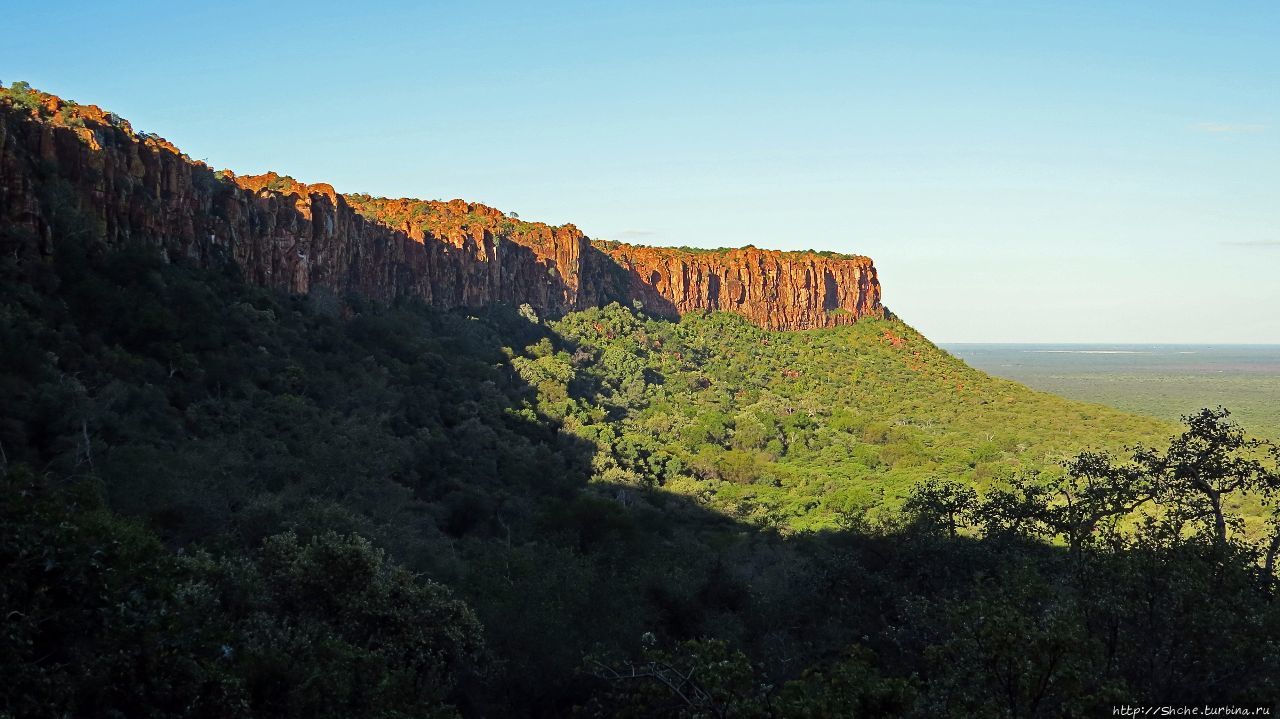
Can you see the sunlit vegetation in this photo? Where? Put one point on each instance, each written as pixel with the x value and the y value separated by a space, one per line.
pixel 795 429
pixel 610 245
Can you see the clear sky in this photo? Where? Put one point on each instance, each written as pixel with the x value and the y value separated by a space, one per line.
pixel 1019 171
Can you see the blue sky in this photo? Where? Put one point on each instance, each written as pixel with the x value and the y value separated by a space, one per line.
pixel 1019 171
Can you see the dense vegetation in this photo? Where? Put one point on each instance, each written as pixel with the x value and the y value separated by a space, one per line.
pixel 795 430
pixel 222 501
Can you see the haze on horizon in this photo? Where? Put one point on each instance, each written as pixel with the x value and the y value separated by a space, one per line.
pixel 1035 172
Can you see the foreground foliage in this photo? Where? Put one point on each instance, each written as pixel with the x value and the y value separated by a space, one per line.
pixel 106 621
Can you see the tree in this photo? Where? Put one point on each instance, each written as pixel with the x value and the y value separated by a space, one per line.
pixel 942 504
pixel 703 678
pixel 1209 462
pixel 1072 507
pixel 330 627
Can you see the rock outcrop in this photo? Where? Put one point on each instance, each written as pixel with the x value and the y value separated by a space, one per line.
pixel 779 290
pixel 75 169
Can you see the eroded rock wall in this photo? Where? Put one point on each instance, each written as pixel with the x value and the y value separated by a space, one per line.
pixel 59 159
pixel 778 290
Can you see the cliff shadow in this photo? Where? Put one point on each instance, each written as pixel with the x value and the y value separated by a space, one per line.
pixel 606 280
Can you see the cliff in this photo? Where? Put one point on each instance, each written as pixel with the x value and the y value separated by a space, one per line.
pixel 779 290
pixel 76 169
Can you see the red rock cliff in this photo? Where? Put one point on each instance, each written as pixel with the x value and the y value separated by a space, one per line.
pixel 72 168
pixel 778 290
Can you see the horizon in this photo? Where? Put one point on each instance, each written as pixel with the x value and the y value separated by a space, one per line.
pixel 1121 344
pixel 1019 174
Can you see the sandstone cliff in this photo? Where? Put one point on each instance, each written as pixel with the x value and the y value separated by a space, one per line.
pixel 779 290
pixel 60 159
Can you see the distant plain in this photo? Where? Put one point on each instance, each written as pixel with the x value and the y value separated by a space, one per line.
pixel 1164 381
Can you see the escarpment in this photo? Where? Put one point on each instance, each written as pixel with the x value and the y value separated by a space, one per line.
pixel 778 290
pixel 75 170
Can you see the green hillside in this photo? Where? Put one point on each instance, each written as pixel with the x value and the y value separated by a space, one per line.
pixel 794 429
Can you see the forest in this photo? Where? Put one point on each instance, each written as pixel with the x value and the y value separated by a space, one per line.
pixel 221 500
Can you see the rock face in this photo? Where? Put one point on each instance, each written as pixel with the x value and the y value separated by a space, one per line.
pixel 779 290
pixel 73 169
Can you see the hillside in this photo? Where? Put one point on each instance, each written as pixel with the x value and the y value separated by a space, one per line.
pixel 830 421
pixel 228 494
pixel 794 430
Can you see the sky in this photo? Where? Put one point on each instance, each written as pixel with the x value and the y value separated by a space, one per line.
pixel 1019 171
